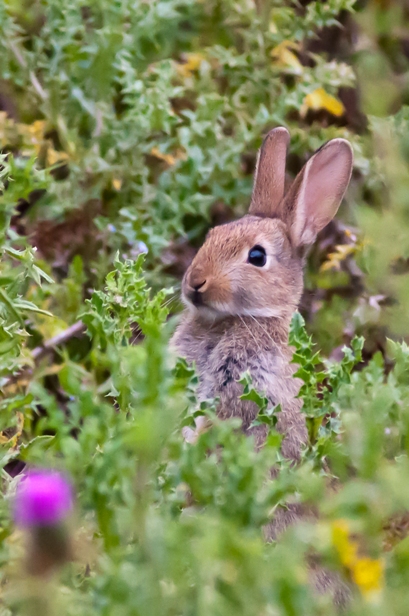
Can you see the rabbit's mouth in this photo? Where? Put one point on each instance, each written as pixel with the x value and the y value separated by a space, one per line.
pixel 197 301
pixel 194 300
pixel 216 310
pixel 209 310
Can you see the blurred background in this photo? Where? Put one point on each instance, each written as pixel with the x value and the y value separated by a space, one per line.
pixel 144 119
pixel 131 127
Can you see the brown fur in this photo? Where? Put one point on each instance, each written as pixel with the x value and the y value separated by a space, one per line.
pixel 242 312
pixel 224 348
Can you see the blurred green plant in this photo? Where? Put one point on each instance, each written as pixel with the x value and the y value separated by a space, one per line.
pixel 127 125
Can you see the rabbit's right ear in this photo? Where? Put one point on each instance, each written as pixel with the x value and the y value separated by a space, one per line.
pixel 268 189
pixel 317 191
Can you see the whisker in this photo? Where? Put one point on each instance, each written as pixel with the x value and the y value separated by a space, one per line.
pixel 249 331
pixel 170 299
pixel 135 340
pixel 263 328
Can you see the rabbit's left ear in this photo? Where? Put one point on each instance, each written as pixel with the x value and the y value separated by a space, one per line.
pixel 268 189
pixel 317 191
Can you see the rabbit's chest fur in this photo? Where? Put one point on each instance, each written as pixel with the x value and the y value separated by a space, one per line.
pixel 223 351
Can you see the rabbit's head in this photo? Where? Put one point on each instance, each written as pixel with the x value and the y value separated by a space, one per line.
pixel 253 267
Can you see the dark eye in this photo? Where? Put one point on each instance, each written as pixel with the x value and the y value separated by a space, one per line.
pixel 257 256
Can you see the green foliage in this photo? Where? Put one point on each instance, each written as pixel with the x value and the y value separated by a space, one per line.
pixel 17 269
pixel 320 388
pixel 167 525
pixel 128 125
pixel 109 83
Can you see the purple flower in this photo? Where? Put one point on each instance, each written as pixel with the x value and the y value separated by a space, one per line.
pixel 42 498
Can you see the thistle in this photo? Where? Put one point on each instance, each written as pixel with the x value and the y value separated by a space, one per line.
pixel 42 505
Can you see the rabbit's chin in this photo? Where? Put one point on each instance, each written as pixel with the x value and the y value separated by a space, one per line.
pixel 218 311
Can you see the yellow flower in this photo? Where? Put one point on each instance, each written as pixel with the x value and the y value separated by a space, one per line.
pixel 367 574
pixel 168 158
pixel 347 549
pixel 33 134
pixel 11 435
pixel 334 260
pixel 320 99
pixel 283 56
pixel 54 157
pixel 193 62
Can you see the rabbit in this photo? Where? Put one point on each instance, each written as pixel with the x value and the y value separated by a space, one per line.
pixel 244 285
pixel 246 281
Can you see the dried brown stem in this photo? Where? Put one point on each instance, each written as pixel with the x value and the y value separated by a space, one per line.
pixel 41 351
pixel 62 338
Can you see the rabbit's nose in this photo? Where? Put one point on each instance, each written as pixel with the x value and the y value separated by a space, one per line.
pixel 197 281
pixel 196 286
pixel 199 285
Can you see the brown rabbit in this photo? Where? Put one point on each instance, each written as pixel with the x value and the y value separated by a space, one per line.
pixel 246 282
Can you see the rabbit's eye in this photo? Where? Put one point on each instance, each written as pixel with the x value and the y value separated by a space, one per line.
pixel 257 256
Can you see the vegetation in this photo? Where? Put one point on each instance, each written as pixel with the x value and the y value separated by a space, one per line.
pixel 127 129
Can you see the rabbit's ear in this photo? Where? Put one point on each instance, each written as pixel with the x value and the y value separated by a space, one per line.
pixel 316 194
pixel 268 189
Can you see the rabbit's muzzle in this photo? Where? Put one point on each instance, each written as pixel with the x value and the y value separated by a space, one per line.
pixel 195 297
pixel 194 288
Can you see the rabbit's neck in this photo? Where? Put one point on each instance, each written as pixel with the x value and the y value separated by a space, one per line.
pixel 200 341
